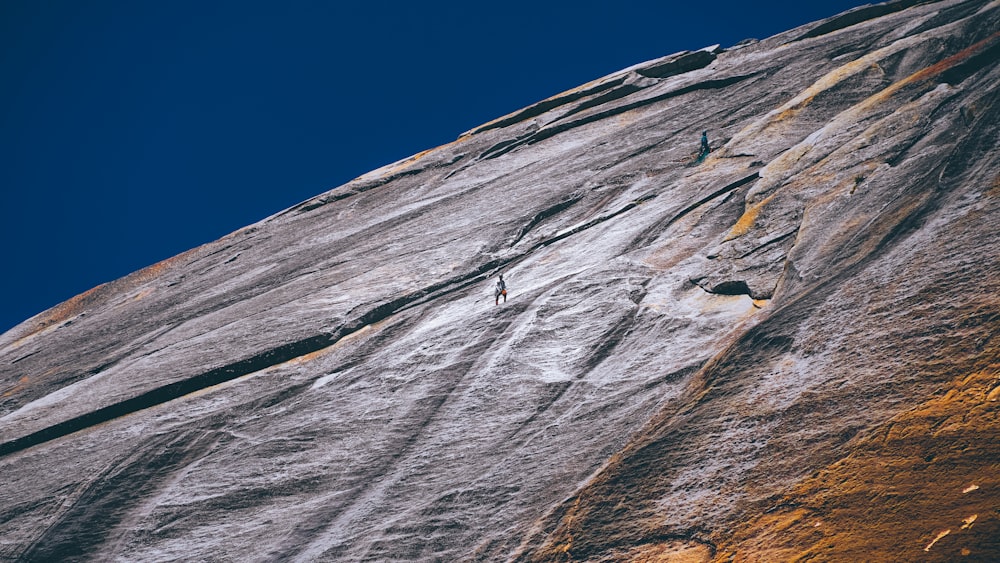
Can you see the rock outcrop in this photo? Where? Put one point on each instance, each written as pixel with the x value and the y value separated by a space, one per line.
pixel 788 351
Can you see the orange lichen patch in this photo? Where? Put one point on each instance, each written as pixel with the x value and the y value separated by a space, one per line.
pixel 796 105
pixel 831 79
pixel 96 297
pixel 995 187
pixel 406 162
pixel 800 102
pixel 313 356
pixel 61 313
pixel 667 552
pixel 305 359
pixel 363 332
pixel 142 294
pixel 901 494
pixel 932 71
pixel 957 58
pixel 747 220
pixel 70 308
pixel 21 383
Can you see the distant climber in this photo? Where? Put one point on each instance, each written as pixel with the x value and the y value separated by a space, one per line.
pixel 705 149
pixel 501 289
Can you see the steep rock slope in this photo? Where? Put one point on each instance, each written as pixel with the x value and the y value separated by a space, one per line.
pixel 787 351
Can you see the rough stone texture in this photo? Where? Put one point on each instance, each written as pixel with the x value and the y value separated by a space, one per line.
pixel 786 352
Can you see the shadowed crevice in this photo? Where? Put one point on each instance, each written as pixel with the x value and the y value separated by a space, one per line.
pixel 685 62
pixel 731 287
pixel 680 64
pixel 860 15
pixel 650 234
pixel 549 104
pixel 980 61
pixel 542 134
pixel 546 214
pixel 170 392
pixel 616 94
pixel 770 243
pixel 556 238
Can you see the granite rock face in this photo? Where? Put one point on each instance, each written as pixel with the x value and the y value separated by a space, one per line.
pixel 788 351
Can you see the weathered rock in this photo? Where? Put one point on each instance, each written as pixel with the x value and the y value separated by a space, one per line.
pixel 787 351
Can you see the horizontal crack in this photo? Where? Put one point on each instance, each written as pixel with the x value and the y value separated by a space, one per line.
pixel 178 389
pixel 612 90
pixel 542 134
pixel 771 242
pixel 607 97
pixel 652 232
pixel 544 106
pixel 169 392
pixel 686 62
pixel 596 221
pixel 545 214
pixel 856 16
pixel 283 353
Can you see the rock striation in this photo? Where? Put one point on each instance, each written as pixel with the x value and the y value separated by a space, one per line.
pixel 788 351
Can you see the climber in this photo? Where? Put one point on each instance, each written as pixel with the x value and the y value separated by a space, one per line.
pixel 705 149
pixel 501 289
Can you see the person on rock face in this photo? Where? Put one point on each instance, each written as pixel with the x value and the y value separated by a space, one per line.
pixel 501 289
pixel 705 149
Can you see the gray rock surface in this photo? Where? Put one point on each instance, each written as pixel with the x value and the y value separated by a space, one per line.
pixel 684 346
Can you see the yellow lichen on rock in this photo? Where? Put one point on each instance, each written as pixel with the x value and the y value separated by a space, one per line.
pixel 902 492
pixel 747 220
pixel 667 552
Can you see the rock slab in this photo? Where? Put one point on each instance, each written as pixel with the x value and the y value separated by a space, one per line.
pixel 788 351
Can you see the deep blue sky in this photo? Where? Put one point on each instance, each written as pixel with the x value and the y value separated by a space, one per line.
pixel 132 130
